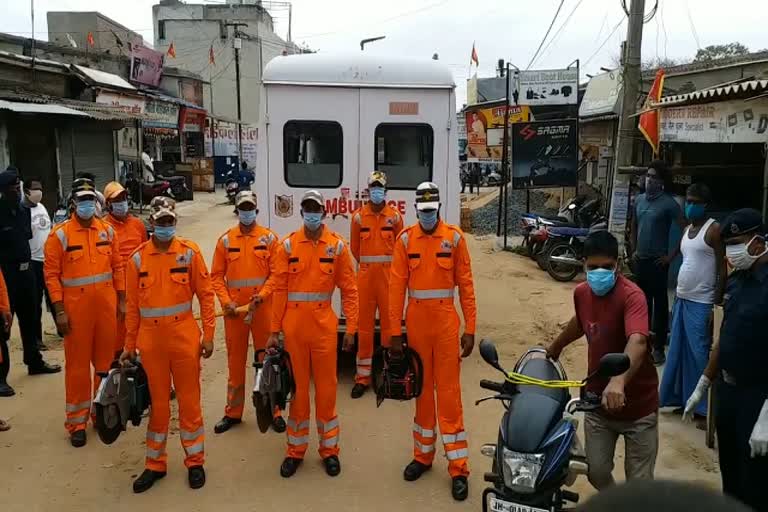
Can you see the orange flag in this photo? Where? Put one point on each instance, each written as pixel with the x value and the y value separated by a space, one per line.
pixel 211 57
pixel 649 121
pixel 172 51
pixel 91 41
pixel 473 58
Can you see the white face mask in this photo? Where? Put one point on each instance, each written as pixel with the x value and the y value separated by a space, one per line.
pixel 35 196
pixel 739 257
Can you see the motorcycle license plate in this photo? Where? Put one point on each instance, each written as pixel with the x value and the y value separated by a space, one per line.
pixel 497 505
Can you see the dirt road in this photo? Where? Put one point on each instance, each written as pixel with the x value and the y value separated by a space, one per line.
pixel 518 306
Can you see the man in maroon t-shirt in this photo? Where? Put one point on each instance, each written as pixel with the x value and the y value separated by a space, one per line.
pixel 611 312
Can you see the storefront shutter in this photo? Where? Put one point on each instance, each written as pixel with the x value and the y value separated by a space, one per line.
pixel 94 153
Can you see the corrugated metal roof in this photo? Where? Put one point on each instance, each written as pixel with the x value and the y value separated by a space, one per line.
pixel 37 108
pixel 93 110
pixel 103 78
pixel 717 93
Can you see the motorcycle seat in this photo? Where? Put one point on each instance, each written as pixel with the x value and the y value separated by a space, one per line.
pixel 543 369
pixel 568 231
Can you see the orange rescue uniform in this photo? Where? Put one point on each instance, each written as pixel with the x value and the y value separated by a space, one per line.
pixel 306 274
pixel 83 268
pixel 242 268
pixel 430 267
pixel 160 325
pixel 372 240
pixel 5 303
pixel 131 233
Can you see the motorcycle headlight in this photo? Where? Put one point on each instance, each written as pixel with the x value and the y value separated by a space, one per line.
pixel 521 470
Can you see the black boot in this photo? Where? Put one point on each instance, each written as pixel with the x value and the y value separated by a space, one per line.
pixel 196 477
pixel 289 467
pixel 43 368
pixel 225 424
pixel 358 390
pixel 278 424
pixel 6 390
pixel 414 470
pixel 78 438
pixel 332 465
pixel 146 480
pixel 460 488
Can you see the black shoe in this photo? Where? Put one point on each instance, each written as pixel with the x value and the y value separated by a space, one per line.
pixel 414 470
pixel 278 424
pixel 225 424
pixel 146 480
pixel 78 438
pixel 358 390
pixel 460 488
pixel 332 465
pixel 659 358
pixel 43 368
pixel 6 390
pixel 289 467
pixel 196 476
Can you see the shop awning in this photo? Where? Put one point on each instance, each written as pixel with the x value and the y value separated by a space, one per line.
pixel 102 78
pixel 37 108
pixel 745 87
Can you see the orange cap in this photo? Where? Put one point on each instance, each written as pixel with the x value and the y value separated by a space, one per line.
pixel 113 189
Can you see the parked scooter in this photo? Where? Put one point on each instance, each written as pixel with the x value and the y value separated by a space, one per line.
pixel 538 451
pixel 232 183
pixel 159 187
pixel 563 257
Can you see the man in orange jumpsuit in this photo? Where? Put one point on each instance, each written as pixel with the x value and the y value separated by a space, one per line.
pixel 85 276
pixel 309 264
pixel 131 233
pixel 163 275
pixel 241 273
pixel 6 320
pixel 374 228
pixel 430 260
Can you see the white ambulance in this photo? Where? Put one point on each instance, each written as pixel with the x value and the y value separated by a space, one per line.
pixel 328 121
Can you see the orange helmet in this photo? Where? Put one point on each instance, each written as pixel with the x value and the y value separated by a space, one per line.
pixel 112 190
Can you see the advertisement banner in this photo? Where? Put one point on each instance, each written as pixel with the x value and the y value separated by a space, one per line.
pixel 146 64
pixel 224 136
pixel 485 131
pixel 545 154
pixel 130 104
pixel 161 114
pixel 548 87
pixel 725 122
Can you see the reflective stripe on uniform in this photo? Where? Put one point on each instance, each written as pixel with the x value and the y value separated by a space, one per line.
pixel 111 232
pixel 339 248
pixel 78 420
pixel 376 259
pixel 298 441
pixel 308 296
pixel 330 442
pixel 301 426
pixel 167 311
pixel 154 454
pixel 225 241
pixel 232 399
pixel 424 448
pixel 246 283
pixel 137 260
pixel 287 245
pixel 86 280
pixel 327 427
pixel 363 372
pixel 423 432
pixel 457 454
pixel 453 438
pixel 456 239
pixel 191 436
pixel 78 407
pixel 158 437
pixel 445 293
pixel 62 238
pixel 404 238
pixel 195 448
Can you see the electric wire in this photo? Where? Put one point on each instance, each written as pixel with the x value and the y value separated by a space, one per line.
pixel 615 28
pixel 559 31
pixel 554 18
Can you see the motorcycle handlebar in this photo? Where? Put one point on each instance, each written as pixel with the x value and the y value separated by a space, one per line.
pixel 497 387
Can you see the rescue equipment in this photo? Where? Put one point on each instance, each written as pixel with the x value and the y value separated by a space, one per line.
pixel 397 377
pixel 123 395
pixel 274 385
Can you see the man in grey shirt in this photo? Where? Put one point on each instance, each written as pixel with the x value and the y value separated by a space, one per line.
pixel 655 212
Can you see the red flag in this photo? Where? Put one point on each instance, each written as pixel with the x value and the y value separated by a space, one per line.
pixel 91 41
pixel 211 56
pixel 473 58
pixel 649 121
pixel 172 51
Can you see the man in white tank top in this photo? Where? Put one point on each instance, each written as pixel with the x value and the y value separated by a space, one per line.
pixel 700 284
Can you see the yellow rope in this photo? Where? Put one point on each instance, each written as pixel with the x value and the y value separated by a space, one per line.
pixel 519 378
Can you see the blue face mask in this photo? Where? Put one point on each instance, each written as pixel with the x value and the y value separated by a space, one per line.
pixel 601 280
pixel 120 208
pixel 86 209
pixel 164 233
pixel 247 217
pixel 377 194
pixel 312 221
pixel 694 211
pixel 427 219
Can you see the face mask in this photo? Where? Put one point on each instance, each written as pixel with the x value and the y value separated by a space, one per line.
pixel 164 233
pixel 35 196
pixel 86 209
pixel 377 194
pixel 739 257
pixel 694 211
pixel 312 221
pixel 120 208
pixel 601 280
pixel 653 187
pixel 427 219
pixel 247 217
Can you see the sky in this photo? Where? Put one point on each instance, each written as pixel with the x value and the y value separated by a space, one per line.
pixel 589 30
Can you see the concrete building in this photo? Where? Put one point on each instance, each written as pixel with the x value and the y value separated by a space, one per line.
pixel 108 35
pixel 194 29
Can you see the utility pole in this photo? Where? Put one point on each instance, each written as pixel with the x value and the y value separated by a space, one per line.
pixel 632 77
pixel 237 44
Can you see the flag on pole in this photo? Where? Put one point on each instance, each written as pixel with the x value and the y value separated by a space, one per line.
pixel 649 121
pixel 473 58
pixel 172 51
pixel 211 57
pixel 91 41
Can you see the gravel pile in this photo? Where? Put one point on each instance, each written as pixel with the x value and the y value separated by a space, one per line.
pixel 484 218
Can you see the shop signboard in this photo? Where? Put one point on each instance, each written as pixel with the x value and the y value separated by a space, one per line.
pixel 126 103
pixel 161 114
pixel 485 131
pixel 727 122
pixel 146 64
pixel 545 154
pixel 547 87
pixel 127 143
pixel 222 137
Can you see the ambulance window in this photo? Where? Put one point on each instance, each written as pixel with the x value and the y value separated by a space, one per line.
pixel 404 152
pixel 312 152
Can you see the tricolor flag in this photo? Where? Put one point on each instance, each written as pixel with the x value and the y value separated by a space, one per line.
pixel 649 120
pixel 172 51
pixel 473 58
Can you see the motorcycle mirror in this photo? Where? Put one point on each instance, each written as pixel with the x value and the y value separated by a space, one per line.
pixel 571 206
pixel 612 365
pixel 489 354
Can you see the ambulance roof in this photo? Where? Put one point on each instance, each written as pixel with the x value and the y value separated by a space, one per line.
pixel 358 70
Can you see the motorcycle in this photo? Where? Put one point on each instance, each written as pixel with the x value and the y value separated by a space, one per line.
pixel 146 191
pixel 534 226
pixel 538 452
pixel 564 255
pixel 232 183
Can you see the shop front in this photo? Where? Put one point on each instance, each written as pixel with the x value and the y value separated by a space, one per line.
pixel 161 131
pixel 192 133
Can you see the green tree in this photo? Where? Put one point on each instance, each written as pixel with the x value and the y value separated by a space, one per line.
pixel 720 51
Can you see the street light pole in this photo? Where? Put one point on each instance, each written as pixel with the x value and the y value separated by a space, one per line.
pixel 237 44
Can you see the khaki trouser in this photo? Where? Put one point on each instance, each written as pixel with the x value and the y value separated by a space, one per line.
pixel 641 441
